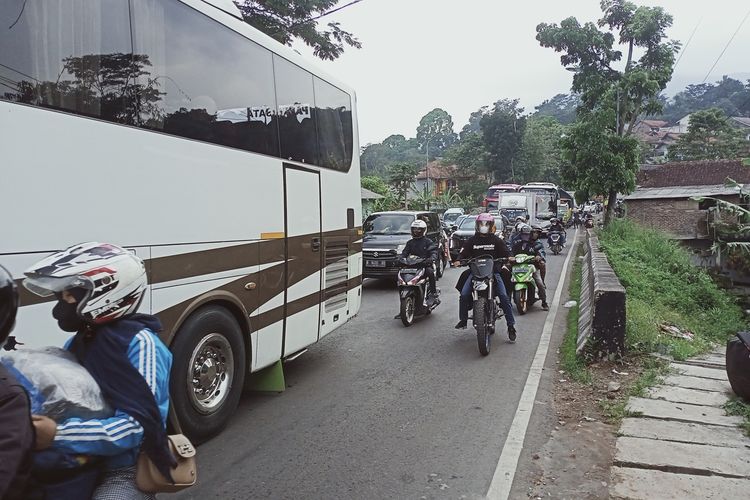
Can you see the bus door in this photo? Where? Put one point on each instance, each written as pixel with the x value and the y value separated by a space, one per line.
pixel 304 256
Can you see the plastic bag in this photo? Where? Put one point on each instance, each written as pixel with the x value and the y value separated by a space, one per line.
pixel 59 387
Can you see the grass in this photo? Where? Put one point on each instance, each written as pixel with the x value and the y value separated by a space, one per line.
pixel 573 364
pixel 663 286
pixel 736 406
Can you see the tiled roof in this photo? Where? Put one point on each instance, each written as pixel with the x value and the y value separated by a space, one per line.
pixel 438 171
pixel 655 123
pixel 694 173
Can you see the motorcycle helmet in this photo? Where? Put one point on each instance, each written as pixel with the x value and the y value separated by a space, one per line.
pixel 485 224
pixel 8 304
pixel 525 232
pixel 536 232
pixel 418 228
pixel 108 281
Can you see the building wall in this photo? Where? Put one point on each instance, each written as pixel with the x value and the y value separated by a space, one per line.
pixel 681 218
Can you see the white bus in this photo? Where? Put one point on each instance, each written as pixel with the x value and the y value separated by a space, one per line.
pixel 222 158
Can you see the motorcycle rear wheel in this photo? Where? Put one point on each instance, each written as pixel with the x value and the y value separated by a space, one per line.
pixel 407 310
pixel 480 323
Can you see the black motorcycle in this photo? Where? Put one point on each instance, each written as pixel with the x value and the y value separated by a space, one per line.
pixel 486 303
pixel 414 289
pixel 555 242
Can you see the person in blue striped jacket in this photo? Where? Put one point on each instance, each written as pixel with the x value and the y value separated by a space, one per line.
pixel 99 288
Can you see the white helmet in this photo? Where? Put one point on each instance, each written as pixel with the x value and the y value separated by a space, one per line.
pixel 114 279
pixel 418 228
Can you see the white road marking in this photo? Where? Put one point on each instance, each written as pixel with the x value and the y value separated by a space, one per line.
pixel 502 480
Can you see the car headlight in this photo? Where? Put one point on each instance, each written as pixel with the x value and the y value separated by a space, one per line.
pixel 400 248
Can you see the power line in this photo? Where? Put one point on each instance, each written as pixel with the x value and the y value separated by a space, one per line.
pixel 727 45
pixel 682 52
pixel 324 14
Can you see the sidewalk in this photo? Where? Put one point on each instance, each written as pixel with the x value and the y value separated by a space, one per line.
pixel 683 445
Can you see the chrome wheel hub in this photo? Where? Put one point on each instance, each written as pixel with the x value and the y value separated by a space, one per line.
pixel 210 373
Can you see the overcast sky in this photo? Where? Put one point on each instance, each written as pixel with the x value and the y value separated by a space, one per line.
pixel 421 54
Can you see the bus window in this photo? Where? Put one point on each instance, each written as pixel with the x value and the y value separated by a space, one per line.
pixel 333 116
pixel 74 57
pixel 198 87
pixel 296 101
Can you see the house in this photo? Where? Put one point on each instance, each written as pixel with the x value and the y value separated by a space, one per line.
pixel 681 127
pixel 665 198
pixel 368 201
pixel 437 178
pixel 650 130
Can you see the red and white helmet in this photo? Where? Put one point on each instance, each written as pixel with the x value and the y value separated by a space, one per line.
pixel 114 279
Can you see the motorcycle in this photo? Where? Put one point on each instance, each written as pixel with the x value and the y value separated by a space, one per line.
pixel 413 289
pixel 486 305
pixel 555 242
pixel 524 286
pixel 589 222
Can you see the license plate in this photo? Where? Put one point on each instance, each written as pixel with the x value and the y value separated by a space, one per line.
pixel 410 271
pixel 375 263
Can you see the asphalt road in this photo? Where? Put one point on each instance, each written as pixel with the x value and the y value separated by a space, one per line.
pixel 377 410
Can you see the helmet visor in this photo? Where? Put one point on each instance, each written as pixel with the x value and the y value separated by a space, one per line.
pixel 46 286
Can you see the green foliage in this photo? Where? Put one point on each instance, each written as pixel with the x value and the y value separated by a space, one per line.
pixel 287 21
pixel 471 159
pixel 709 137
pixel 738 407
pixel 401 178
pixel 502 131
pixel 611 99
pixel 541 156
pixel 562 108
pixel 375 184
pixel 376 158
pixel 574 365
pixel 663 286
pixel 653 372
pixel 435 133
pixel 727 94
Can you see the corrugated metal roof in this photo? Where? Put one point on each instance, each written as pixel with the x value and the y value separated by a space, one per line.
pixel 681 192
pixel 369 195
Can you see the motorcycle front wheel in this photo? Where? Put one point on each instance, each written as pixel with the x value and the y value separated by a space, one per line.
pixel 520 297
pixel 480 323
pixel 408 304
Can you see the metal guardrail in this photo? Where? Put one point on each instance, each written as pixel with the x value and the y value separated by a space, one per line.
pixel 601 313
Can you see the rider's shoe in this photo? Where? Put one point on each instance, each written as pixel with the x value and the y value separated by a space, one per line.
pixel 460 325
pixel 545 306
pixel 512 333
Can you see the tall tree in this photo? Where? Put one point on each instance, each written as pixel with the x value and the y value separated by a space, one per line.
pixel 611 98
pixel 540 157
pixel 435 133
pixel 502 131
pixel 401 176
pixel 562 107
pixel 299 20
pixel 709 137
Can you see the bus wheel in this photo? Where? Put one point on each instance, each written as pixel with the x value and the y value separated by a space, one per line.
pixel 208 371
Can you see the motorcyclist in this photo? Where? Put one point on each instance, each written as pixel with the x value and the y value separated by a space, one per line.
pixel 520 222
pixel 16 429
pixel 485 242
pixel 556 226
pixel 425 248
pixel 527 244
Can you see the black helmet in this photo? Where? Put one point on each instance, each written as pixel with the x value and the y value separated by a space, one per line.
pixel 536 231
pixel 8 303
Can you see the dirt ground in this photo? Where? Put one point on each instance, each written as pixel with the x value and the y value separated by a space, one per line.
pixel 575 461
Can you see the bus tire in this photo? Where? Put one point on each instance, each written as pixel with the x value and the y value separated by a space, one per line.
pixel 208 372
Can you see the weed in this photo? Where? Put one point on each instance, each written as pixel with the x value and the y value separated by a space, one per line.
pixel 736 406
pixel 653 371
pixel 663 286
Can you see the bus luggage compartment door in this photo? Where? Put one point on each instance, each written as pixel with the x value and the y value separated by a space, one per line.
pixel 304 258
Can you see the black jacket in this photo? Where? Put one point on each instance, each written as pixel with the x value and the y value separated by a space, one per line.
pixel 484 244
pixel 421 247
pixel 16 437
pixel 556 228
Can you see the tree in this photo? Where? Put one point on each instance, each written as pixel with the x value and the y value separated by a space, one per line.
pixel 727 94
pixel 290 20
pixel 612 99
pixel 376 158
pixel 562 107
pixel 375 184
pixel 435 133
pixel 472 161
pixel 709 137
pixel 401 176
pixel 474 125
pixel 502 131
pixel 541 154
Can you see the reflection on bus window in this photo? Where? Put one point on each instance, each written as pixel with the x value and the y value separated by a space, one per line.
pixel 295 94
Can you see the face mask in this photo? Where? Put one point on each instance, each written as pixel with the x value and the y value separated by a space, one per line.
pixel 67 317
pixel 484 229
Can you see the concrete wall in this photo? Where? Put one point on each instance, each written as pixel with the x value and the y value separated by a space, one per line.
pixel 601 314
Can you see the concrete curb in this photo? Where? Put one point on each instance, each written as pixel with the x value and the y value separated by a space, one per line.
pixel 682 444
